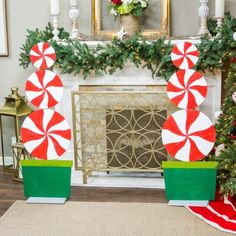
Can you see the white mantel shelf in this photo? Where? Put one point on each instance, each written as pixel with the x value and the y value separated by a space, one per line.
pixel 93 44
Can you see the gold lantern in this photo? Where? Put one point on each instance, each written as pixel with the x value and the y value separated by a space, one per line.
pixel 14 109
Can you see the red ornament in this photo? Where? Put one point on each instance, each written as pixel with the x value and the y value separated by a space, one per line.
pixel 188 135
pixel 45 134
pixel 233 60
pixel 187 88
pixel 116 2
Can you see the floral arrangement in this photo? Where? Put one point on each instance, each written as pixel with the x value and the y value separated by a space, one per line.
pixel 122 7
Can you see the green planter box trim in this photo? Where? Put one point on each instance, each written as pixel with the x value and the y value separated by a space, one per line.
pixel 190 180
pixel 56 163
pixel 46 178
pixel 178 164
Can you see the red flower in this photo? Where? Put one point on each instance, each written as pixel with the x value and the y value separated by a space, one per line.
pixel 116 2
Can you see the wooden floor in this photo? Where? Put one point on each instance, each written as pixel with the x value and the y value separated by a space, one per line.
pixel 11 191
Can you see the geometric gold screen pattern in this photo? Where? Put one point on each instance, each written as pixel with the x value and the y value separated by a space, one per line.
pixel 133 138
pixel 119 128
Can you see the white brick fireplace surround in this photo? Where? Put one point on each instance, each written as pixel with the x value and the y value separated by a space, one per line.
pixel 130 75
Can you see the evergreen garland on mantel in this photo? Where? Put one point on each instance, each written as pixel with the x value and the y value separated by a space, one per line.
pixel 74 57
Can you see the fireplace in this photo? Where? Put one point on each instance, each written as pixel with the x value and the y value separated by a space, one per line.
pixel 125 83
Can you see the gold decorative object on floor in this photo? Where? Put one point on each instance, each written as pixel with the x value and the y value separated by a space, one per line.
pixel 19 153
pixel 118 129
pixel 11 114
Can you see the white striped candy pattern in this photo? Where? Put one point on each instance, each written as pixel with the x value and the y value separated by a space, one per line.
pixel 42 55
pixel 188 135
pixel 187 88
pixel 44 89
pixel 184 55
pixel 46 134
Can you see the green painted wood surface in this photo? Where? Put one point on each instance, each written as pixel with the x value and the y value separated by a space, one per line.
pixel 190 183
pixel 57 163
pixel 46 181
pixel 179 164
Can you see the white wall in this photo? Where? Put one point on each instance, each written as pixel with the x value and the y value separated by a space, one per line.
pixel 31 14
pixel 20 16
pixel 184 15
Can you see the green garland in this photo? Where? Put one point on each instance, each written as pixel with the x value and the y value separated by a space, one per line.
pixel 74 57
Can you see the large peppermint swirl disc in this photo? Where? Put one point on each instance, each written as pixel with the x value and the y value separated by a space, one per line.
pixel 42 55
pixel 46 134
pixel 187 88
pixel 184 55
pixel 44 89
pixel 188 135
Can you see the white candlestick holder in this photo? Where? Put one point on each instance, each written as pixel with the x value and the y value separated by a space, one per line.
pixel 219 21
pixel 203 12
pixel 74 16
pixel 55 30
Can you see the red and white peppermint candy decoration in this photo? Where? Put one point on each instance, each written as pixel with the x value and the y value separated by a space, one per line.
pixel 184 55
pixel 42 55
pixel 46 134
pixel 188 135
pixel 44 89
pixel 187 88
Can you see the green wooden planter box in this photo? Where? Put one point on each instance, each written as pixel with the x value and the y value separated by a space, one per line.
pixel 49 179
pixel 190 180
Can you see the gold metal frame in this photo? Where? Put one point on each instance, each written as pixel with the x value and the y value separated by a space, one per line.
pixel 148 33
pixel 3 24
pixel 15 107
pixel 94 111
pixel 19 153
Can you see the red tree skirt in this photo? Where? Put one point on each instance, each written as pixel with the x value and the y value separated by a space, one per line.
pixel 220 214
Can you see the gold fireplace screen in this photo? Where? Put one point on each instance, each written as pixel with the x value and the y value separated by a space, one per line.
pixel 119 130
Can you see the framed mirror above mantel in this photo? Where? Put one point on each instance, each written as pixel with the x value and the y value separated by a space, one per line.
pixel 155 21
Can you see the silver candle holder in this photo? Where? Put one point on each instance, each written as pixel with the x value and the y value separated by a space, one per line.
pixel 74 16
pixel 219 21
pixel 55 30
pixel 203 12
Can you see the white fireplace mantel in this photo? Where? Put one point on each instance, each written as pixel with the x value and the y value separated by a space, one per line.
pixel 131 75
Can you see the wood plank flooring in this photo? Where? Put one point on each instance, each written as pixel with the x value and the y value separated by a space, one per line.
pixel 11 191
